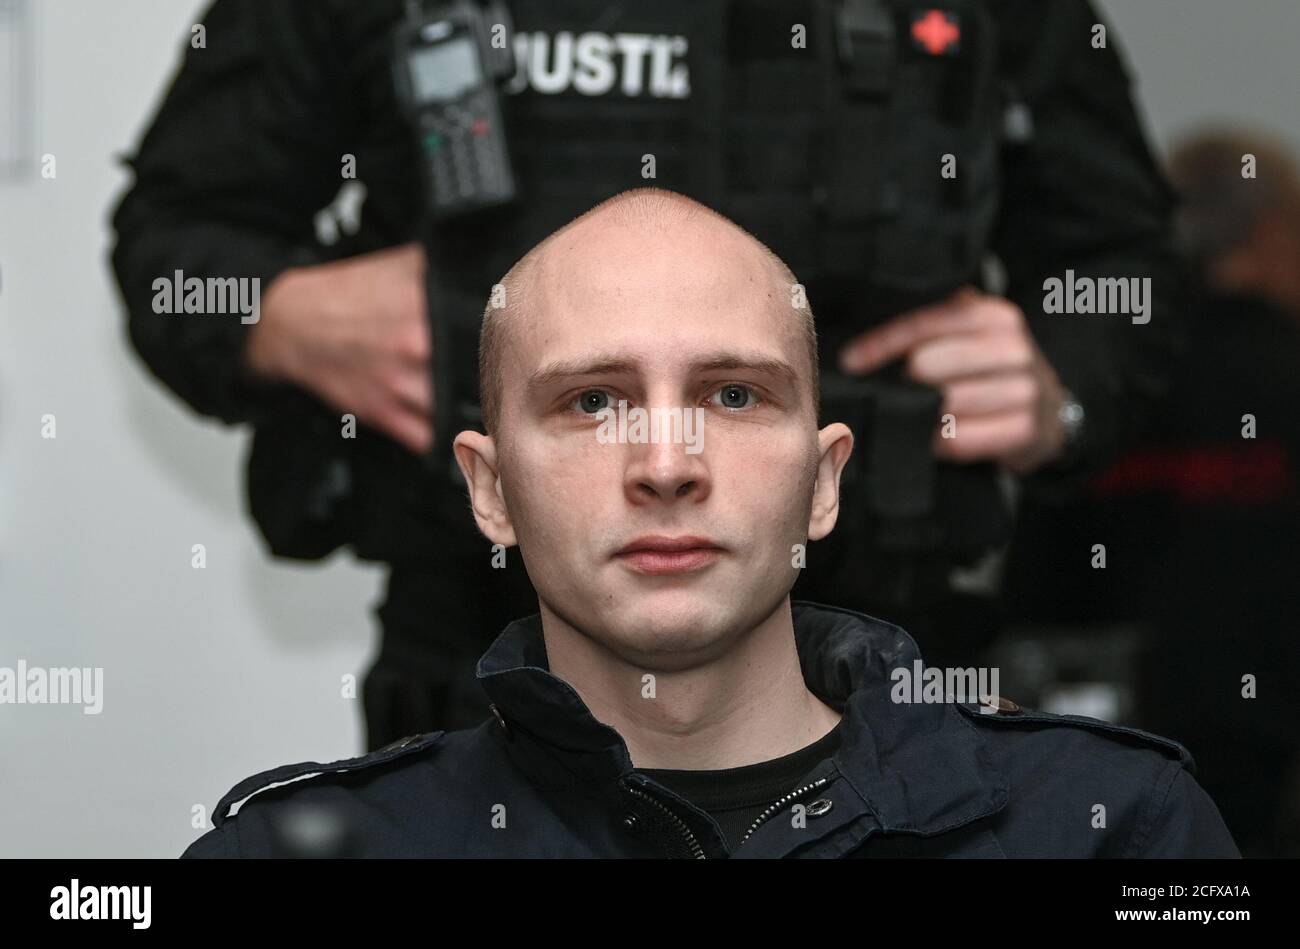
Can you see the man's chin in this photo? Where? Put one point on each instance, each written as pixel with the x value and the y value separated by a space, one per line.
pixel 675 625
pixel 660 625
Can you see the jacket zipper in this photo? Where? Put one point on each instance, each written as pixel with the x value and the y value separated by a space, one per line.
pixel 772 809
pixel 697 852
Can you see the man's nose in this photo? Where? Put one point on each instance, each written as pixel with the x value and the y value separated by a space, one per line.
pixel 665 471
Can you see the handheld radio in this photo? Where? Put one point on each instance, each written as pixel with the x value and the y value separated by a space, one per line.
pixel 449 59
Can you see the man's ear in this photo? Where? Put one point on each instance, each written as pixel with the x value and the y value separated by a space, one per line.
pixel 476 454
pixel 835 442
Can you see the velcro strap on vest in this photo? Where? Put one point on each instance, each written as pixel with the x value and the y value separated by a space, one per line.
pixel 867 42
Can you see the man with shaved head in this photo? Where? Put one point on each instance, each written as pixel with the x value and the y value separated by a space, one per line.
pixel 649 560
pixel 668 699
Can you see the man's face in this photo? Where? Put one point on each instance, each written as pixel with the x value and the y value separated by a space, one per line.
pixel 662 552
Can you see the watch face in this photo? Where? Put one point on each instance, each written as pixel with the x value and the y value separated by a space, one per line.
pixel 1071 415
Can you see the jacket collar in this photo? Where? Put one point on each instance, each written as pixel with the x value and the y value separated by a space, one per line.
pixel 917 768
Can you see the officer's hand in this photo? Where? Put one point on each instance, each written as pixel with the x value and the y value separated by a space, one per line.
pixel 977 349
pixel 354 332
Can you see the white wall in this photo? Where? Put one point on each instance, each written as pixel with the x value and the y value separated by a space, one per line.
pixel 1213 60
pixel 211 675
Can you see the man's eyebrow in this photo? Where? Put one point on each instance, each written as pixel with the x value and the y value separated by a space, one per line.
pixel 563 369
pixel 752 362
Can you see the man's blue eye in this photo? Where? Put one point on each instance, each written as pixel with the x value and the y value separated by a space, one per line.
pixel 592 401
pixel 734 397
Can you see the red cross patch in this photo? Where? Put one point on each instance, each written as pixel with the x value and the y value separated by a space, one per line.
pixel 936 32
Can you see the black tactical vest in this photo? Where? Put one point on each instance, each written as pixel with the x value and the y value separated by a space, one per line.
pixel 825 133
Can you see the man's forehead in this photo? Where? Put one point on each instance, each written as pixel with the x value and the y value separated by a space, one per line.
pixel 700 261
pixel 616 280
pixel 672 329
pixel 650 300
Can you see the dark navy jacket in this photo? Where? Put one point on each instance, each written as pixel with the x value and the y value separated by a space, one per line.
pixel 544 778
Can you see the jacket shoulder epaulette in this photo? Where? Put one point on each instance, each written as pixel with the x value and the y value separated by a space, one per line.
pixel 1001 712
pixel 288 773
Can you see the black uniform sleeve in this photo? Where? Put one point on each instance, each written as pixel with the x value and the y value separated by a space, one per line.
pixel 211 846
pixel 242 153
pixel 1085 194
pixel 1187 824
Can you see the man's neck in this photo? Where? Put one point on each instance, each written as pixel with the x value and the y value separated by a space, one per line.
pixel 747 705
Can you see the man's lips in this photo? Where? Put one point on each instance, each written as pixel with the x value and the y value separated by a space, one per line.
pixel 661 555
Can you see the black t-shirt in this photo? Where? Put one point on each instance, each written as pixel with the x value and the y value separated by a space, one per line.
pixel 735 797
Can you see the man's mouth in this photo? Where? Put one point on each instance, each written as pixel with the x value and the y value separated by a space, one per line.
pixel 657 555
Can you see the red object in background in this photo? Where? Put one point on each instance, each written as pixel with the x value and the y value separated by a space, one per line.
pixel 936 32
pixel 1239 474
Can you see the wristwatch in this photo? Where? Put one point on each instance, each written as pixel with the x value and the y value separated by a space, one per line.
pixel 1071 416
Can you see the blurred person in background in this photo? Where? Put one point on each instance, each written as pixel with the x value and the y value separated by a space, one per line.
pixel 1224 672
pixel 1193 620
